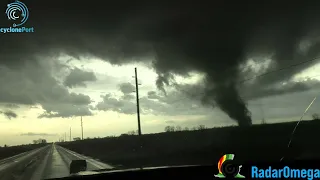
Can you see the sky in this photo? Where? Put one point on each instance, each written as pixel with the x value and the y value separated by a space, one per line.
pixel 196 66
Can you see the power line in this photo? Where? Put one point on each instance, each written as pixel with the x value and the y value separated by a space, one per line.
pixel 280 69
pixel 311 76
pixel 261 75
pixel 249 79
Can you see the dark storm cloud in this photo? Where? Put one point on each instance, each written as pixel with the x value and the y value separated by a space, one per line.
pixel 34 85
pixel 214 38
pixel 126 88
pixel 153 95
pixel 128 97
pixel 9 114
pixel 110 103
pixel 78 77
pixel 65 110
pixel 12 106
pixel 173 104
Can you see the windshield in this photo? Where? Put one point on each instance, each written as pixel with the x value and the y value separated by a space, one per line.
pixel 143 83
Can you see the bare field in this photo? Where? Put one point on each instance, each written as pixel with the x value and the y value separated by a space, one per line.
pixel 6 152
pixel 258 142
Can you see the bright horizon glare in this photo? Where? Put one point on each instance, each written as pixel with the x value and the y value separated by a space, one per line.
pixel 117 115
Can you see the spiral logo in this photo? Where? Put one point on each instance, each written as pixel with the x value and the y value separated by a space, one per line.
pixel 229 170
pixel 18 12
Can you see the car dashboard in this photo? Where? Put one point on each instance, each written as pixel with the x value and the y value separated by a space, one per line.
pixel 172 172
pixel 183 172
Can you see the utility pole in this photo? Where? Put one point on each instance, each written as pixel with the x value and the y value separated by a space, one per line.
pixel 65 137
pixel 262 114
pixel 81 128
pixel 70 134
pixel 138 113
pixel 138 106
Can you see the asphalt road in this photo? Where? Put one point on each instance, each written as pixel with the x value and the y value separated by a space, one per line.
pixel 51 161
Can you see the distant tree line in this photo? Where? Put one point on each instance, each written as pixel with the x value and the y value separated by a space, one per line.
pixel 40 141
pixel 170 129
pixel 130 133
pixel 179 128
pixel 167 129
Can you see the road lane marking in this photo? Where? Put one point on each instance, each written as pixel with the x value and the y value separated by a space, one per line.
pixel 16 159
pixel 91 161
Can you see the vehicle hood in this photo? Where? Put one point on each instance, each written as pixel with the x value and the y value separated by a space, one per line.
pixel 83 173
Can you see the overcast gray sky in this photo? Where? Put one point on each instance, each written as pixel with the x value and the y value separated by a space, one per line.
pixel 192 61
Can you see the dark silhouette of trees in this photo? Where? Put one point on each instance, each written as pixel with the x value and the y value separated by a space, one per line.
pixel 133 132
pixel 179 128
pixel 169 129
pixel 40 141
pixel 201 127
